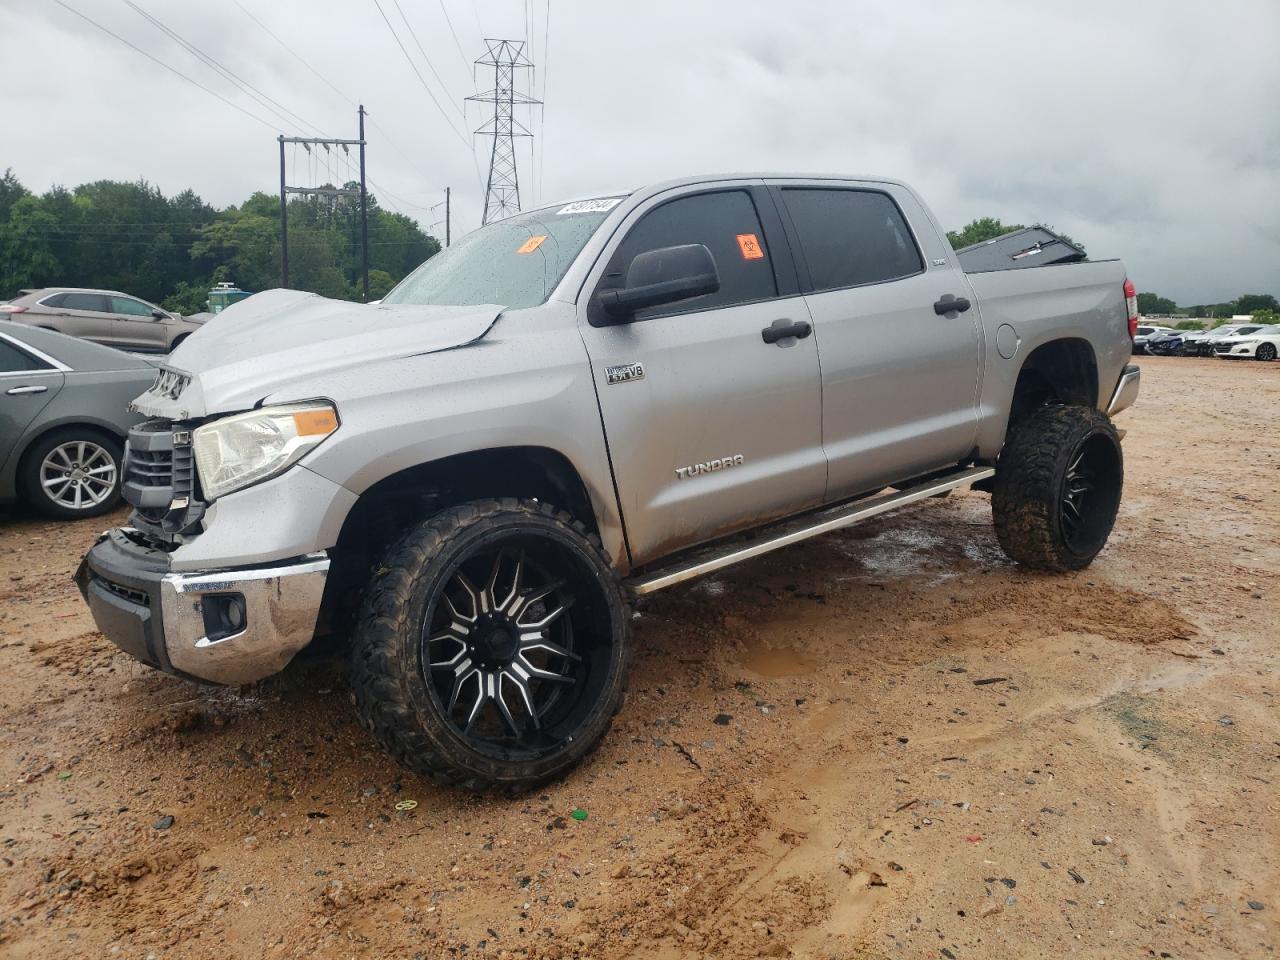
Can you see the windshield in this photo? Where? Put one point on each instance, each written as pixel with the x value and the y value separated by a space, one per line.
pixel 515 262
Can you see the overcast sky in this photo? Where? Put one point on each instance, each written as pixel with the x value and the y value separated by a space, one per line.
pixel 1146 130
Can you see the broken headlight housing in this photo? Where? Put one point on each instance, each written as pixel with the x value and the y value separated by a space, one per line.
pixel 238 451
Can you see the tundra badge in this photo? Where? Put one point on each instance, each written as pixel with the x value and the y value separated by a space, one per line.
pixel 720 463
pixel 624 372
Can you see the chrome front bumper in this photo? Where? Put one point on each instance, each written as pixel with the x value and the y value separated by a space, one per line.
pixel 174 621
pixel 1126 391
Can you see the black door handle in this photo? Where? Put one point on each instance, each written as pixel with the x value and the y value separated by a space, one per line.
pixel 950 303
pixel 780 329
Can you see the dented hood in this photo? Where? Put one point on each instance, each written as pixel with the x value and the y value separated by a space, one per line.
pixel 278 339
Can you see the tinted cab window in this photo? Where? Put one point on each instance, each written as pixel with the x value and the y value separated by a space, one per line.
pixel 726 222
pixel 851 237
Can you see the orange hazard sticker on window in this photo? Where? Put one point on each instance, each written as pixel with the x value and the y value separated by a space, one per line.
pixel 532 244
pixel 750 247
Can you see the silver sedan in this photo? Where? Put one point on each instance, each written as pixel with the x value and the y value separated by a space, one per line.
pixel 63 420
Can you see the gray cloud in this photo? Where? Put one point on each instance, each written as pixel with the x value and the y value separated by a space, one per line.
pixel 1149 130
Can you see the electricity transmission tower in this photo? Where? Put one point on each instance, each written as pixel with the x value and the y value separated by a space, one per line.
pixel 502 194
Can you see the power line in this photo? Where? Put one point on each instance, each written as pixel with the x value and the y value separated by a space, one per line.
pixel 325 80
pixel 466 64
pixel 430 66
pixel 159 62
pixel 266 101
pixel 418 74
pixel 293 53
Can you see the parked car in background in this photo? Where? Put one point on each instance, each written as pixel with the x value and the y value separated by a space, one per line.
pixel 1258 343
pixel 1205 346
pixel 1145 332
pixel 63 420
pixel 103 316
pixel 1166 344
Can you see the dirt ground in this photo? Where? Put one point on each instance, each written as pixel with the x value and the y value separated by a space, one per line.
pixel 887 743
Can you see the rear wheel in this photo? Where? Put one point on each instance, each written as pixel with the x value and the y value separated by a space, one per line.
pixel 72 473
pixel 1057 488
pixel 491 649
pixel 1266 351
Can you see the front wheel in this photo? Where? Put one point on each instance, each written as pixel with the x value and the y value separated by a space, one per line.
pixel 491 648
pixel 1057 488
pixel 1266 351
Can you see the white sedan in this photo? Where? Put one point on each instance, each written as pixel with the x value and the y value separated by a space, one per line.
pixel 1261 344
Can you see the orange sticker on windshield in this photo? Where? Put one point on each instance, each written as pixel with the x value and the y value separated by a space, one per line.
pixel 750 247
pixel 532 244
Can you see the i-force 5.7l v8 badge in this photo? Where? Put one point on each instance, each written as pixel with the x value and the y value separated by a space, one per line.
pixel 624 373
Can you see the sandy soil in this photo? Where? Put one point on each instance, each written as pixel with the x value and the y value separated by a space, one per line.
pixel 888 743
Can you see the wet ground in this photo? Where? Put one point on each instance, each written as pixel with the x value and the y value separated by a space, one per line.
pixel 886 743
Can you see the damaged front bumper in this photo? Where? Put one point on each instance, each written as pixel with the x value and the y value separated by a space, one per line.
pixel 227 626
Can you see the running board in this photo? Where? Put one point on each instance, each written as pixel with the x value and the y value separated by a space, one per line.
pixel 787 532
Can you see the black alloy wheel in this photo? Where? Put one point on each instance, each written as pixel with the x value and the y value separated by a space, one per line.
pixel 492 647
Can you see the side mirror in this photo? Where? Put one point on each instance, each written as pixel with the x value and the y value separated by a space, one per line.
pixel 159 315
pixel 665 275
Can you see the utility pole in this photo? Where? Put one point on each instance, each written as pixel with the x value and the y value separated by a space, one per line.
pixel 364 212
pixel 284 222
pixel 360 192
pixel 502 193
pixel 447 216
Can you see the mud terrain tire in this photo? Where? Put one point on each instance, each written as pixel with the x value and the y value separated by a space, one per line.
pixel 404 677
pixel 1057 488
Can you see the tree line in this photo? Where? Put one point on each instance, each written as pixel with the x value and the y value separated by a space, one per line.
pixel 170 250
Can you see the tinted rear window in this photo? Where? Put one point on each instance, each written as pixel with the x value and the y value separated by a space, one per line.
pixel 851 237
pixel 84 301
pixel 54 301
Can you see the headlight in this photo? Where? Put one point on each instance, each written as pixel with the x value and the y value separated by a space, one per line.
pixel 1245 343
pixel 237 451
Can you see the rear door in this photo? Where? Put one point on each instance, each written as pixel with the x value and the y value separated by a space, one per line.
pixel 709 427
pixel 136 325
pixel 899 380
pixel 87 315
pixel 27 383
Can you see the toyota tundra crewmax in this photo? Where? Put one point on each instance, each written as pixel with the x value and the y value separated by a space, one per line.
pixel 468 482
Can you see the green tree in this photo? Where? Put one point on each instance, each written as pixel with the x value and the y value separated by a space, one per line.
pixel 1154 303
pixel 27 257
pixel 131 237
pixel 978 231
pixel 1253 302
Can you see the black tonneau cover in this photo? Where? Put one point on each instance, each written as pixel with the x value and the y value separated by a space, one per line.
pixel 1029 247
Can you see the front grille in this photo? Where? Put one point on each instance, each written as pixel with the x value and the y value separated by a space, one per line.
pixel 160 479
pixel 1224 347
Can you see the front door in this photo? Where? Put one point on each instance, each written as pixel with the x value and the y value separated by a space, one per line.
pixel 899 380
pixel 138 327
pixel 710 428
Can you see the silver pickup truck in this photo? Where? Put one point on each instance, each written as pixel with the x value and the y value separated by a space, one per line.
pixel 579 405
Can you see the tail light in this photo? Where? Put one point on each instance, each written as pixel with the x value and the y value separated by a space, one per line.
pixel 1131 306
pixel 11 308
